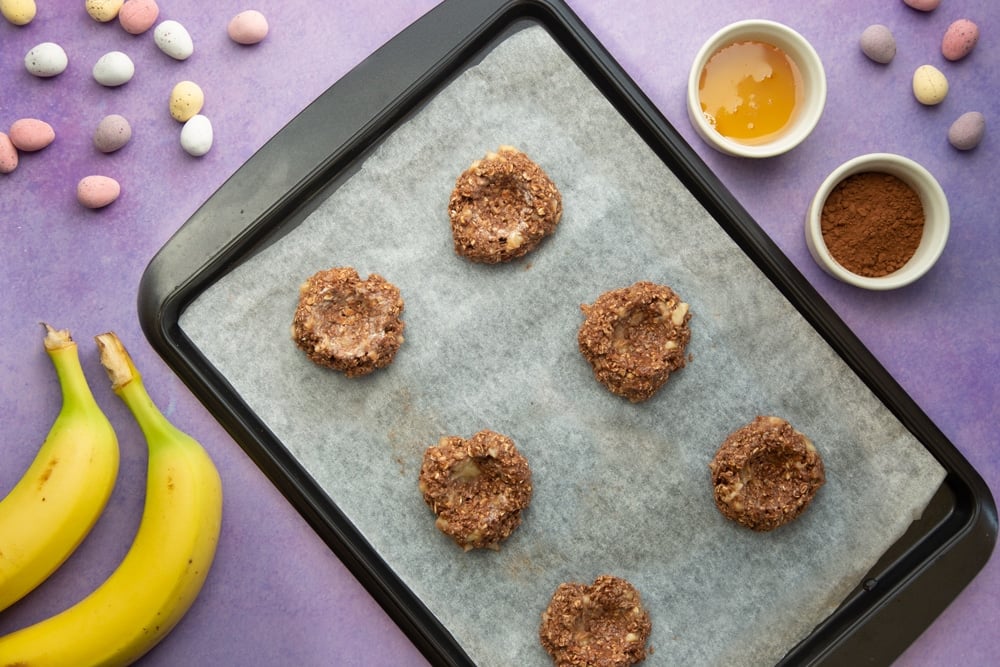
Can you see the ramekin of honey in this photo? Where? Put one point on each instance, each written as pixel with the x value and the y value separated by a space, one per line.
pixel 756 89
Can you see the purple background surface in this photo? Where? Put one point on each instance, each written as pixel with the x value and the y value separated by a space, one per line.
pixel 276 594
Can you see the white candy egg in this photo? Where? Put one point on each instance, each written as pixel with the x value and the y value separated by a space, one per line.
pixel 196 135
pixel 46 60
pixel 113 69
pixel 173 39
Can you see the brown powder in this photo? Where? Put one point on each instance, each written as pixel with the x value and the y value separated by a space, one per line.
pixel 872 223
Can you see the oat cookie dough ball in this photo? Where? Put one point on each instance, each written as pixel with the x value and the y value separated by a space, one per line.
pixel 634 338
pixel 602 624
pixel 765 474
pixel 502 207
pixel 478 488
pixel 348 324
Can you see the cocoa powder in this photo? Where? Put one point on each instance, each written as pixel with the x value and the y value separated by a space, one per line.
pixel 872 223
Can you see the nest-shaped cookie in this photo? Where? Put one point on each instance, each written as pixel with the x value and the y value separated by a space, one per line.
pixel 635 337
pixel 348 324
pixel 603 624
pixel 502 207
pixel 478 488
pixel 766 474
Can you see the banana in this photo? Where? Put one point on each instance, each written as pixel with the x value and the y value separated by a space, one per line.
pixel 166 566
pixel 54 505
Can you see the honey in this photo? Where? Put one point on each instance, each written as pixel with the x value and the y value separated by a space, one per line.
pixel 749 91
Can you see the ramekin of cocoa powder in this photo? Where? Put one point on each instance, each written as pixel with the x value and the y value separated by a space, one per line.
pixel 879 221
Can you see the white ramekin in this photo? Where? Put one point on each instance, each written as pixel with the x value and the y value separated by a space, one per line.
pixel 813 81
pixel 937 220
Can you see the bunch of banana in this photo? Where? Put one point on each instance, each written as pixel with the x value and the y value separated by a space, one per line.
pixel 163 571
pixel 55 504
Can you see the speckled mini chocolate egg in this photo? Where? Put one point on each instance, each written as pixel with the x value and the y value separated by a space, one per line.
pixel 967 131
pixel 97 191
pixel 930 86
pixel 31 134
pixel 186 99
pixel 138 16
pixel 46 60
pixel 923 5
pixel 878 43
pixel 113 132
pixel 247 27
pixel 103 10
pixel 8 154
pixel 113 69
pixel 197 136
pixel 959 39
pixel 173 39
pixel 18 12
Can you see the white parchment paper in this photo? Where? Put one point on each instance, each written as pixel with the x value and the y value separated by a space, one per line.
pixel 619 488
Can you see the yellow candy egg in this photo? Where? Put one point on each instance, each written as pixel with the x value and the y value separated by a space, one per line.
pixel 18 12
pixel 930 86
pixel 186 100
pixel 104 10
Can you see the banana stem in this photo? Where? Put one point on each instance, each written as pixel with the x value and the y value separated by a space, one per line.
pixel 65 356
pixel 126 382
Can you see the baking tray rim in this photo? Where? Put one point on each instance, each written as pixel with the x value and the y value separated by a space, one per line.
pixel 873 621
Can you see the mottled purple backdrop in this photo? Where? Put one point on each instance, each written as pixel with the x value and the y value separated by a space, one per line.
pixel 276 594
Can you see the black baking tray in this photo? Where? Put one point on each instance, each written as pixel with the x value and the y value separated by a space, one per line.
pixel 912 583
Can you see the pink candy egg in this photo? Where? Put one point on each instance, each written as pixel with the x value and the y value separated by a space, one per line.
pixel 249 27
pixel 31 134
pixel 959 39
pixel 97 191
pixel 923 5
pixel 138 16
pixel 8 155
